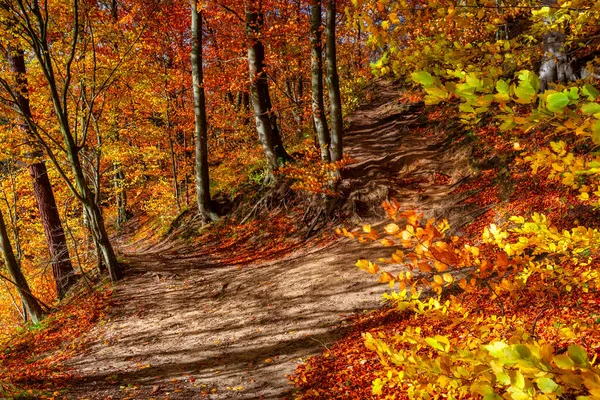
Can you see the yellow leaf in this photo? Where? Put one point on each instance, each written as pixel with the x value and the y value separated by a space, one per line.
pixel 448 278
pixel 386 277
pixel 387 242
pixel 438 279
pixel 367 228
pixel 398 258
pixel 392 228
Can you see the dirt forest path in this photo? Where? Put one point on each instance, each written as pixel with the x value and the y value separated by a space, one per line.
pixel 185 326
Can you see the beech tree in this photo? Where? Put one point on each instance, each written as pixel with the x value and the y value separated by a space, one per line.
pixel 201 126
pixel 333 84
pixel 266 120
pixel 316 58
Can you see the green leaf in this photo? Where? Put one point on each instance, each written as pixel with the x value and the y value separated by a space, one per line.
pixel 555 102
pixel 530 80
pixel 596 132
pixel 503 378
pixel 496 349
pixel 422 77
pixel 547 385
pixel 563 362
pixel 573 93
pixel 434 343
pixel 437 92
pixel 523 351
pixel 502 87
pixel 578 355
pixel 481 388
pixel 518 380
pixel 473 81
pixel 590 108
pixel 525 93
pixel 466 108
pixel 590 91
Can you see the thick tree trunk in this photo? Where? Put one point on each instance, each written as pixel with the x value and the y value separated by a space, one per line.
pixel 62 270
pixel 556 66
pixel 203 199
pixel 333 84
pixel 316 59
pixel 30 304
pixel 266 120
pixel 44 195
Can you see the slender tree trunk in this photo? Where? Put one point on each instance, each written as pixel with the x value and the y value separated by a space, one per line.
pixel 121 194
pixel 266 121
pixel 333 83
pixel 203 199
pixel 174 171
pixel 316 64
pixel 30 303
pixel 44 195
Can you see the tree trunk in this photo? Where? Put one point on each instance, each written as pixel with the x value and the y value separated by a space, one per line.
pixel 30 303
pixel 266 121
pixel 556 66
pixel 44 195
pixel 316 64
pixel 203 199
pixel 174 171
pixel 333 83
pixel 62 269
pixel 120 194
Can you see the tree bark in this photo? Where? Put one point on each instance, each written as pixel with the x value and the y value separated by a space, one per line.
pixel 203 199
pixel 62 268
pixel 333 84
pixel 316 59
pixel 266 120
pixel 30 303
pixel 556 66
pixel 121 194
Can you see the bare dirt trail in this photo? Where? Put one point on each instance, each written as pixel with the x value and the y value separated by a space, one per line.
pixel 186 326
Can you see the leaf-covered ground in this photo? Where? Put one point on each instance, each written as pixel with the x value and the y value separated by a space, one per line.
pixel 502 188
pixel 233 315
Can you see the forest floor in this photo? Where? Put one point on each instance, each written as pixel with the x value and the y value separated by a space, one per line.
pixel 186 324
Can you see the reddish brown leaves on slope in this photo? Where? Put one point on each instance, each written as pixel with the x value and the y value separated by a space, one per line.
pixel 34 360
